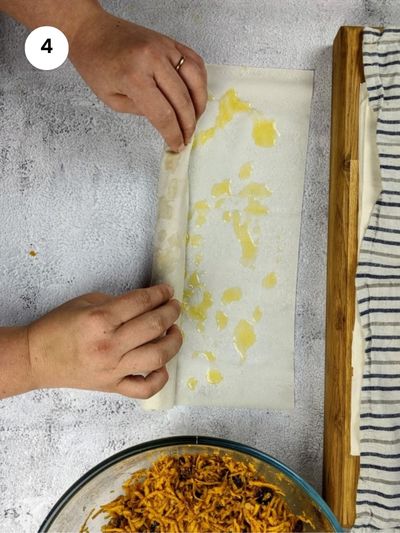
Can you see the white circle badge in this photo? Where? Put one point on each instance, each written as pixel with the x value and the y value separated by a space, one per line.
pixel 46 48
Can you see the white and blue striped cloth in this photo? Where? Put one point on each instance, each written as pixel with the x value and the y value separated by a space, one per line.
pixel 378 295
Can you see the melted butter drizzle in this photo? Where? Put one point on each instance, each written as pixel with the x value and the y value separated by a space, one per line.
pixel 209 356
pixel 229 105
pixel 192 383
pixel 214 376
pixel 200 210
pixel 221 319
pixel 257 314
pixel 255 208
pixel 270 280
pixel 243 338
pixel 221 188
pixel 245 171
pixel 233 294
pixel 255 190
pixel 264 133
pixel 193 280
pixel 199 312
pixel 249 248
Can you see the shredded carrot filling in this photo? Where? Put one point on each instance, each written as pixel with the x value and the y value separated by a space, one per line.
pixel 199 493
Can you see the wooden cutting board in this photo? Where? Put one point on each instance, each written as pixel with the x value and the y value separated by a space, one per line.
pixel 341 470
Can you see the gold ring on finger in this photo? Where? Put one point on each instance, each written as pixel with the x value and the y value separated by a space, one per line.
pixel 180 63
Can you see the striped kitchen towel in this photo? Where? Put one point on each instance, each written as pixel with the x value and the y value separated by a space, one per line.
pixel 378 295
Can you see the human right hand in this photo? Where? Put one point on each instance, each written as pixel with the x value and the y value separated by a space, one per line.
pixel 104 343
pixel 130 68
pixel 133 70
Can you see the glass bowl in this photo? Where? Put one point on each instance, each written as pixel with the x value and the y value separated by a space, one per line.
pixel 103 483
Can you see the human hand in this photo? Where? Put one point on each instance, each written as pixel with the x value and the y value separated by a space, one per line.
pixel 100 342
pixel 133 70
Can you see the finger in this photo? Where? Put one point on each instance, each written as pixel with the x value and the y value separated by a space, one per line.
pixel 188 52
pixel 194 74
pixel 141 387
pixel 177 94
pixel 134 303
pixel 161 114
pixel 148 326
pixel 152 356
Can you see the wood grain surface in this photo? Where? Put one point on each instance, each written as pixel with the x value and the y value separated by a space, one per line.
pixel 340 468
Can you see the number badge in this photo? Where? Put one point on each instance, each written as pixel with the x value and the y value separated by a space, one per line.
pixel 46 48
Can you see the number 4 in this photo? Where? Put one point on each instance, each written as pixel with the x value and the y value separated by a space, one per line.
pixel 46 46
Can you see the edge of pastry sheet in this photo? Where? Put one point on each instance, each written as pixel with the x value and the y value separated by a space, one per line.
pixel 369 189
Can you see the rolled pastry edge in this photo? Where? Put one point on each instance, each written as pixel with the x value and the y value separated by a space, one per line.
pixel 169 253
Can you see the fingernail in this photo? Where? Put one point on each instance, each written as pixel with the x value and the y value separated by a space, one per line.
pixel 182 147
pixel 170 290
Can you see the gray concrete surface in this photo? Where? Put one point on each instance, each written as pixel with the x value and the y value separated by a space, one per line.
pixel 78 185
